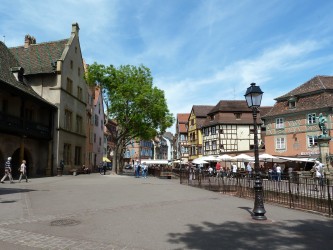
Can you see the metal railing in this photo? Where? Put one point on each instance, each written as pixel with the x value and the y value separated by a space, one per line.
pixel 292 191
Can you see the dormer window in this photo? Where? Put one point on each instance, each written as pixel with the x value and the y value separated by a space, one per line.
pixel 212 117
pixel 238 115
pixel 292 102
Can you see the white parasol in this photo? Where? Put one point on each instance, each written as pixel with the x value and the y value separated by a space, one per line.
pixel 243 157
pixel 225 157
pixel 210 158
pixel 270 158
pixel 199 161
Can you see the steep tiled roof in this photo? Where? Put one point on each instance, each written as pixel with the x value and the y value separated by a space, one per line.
pixel 201 110
pixel 317 101
pixel 230 106
pixel 224 113
pixel 182 128
pixel 317 83
pixel 8 61
pixel 38 58
pixel 316 93
pixel 265 109
pixel 183 118
pixel 200 122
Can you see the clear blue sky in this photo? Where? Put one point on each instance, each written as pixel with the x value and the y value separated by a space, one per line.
pixel 199 51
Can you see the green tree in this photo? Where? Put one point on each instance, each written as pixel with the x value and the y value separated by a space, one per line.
pixel 139 108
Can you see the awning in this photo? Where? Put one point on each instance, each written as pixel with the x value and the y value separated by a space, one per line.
pixel 298 159
pixel 199 161
pixel 148 162
pixel 106 159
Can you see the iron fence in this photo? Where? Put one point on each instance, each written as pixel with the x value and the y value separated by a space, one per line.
pixel 292 191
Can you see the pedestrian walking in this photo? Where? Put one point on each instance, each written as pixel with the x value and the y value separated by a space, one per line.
pixel 100 167
pixel 144 170
pixel 8 171
pixel 23 171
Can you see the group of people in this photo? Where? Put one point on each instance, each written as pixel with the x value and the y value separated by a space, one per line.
pixel 140 169
pixel 275 173
pixel 227 172
pixel 8 171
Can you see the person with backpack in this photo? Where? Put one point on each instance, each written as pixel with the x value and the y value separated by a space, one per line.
pixel 8 171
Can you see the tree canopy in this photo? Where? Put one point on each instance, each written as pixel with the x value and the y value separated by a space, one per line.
pixel 139 108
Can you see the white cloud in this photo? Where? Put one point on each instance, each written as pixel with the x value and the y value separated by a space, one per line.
pixel 231 82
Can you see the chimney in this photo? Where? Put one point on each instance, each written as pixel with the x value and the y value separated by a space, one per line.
pixel 28 40
pixel 75 29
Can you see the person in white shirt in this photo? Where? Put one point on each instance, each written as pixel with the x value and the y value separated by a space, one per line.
pixel 23 171
pixel 249 170
pixel 278 172
pixel 234 170
pixel 210 171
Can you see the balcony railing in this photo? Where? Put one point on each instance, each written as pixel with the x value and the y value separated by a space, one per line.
pixel 16 125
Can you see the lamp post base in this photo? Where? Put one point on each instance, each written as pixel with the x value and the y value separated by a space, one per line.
pixel 259 209
pixel 259 217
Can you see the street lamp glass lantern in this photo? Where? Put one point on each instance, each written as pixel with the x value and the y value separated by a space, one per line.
pixel 253 96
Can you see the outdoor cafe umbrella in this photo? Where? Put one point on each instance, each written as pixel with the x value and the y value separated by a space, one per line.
pixel 199 161
pixel 209 158
pixel 243 158
pixel 271 158
pixel 225 157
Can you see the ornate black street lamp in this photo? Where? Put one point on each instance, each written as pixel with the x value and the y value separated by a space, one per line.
pixel 253 97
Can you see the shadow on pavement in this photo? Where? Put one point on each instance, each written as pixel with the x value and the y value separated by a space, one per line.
pixel 4 191
pixel 292 234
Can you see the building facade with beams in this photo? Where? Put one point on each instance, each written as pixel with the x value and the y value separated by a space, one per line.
pixel 181 144
pixel 196 119
pixel 55 72
pixel 26 120
pixel 229 129
pixel 292 124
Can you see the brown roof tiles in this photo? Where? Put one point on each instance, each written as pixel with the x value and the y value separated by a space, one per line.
pixel 317 83
pixel 201 110
pixel 39 58
pixel 7 62
pixel 314 94
pixel 183 118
